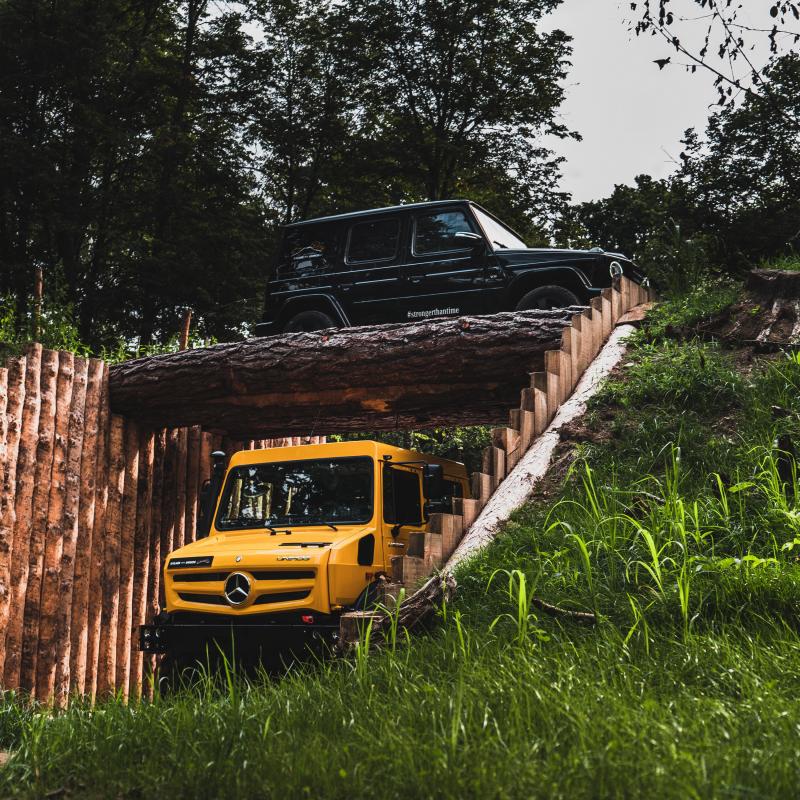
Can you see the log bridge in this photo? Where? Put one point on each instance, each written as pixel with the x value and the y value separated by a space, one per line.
pixel 100 465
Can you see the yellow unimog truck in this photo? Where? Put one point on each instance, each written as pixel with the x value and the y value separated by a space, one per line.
pixel 288 539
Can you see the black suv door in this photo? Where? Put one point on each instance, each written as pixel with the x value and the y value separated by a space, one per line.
pixel 444 275
pixel 369 283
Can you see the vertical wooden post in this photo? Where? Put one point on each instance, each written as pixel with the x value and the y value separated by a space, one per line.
pixel 192 481
pixel 3 431
pixel 186 327
pixel 128 536
pixel 107 656
pixel 85 664
pixel 32 494
pixel 552 365
pixel 62 523
pixel 156 554
pixel 468 509
pixel 153 593
pixel 568 380
pixel 597 326
pixel 608 314
pixel 38 294
pixel 15 402
pixel 179 530
pixel 141 554
pixel 73 619
pixel 168 493
pixel 576 346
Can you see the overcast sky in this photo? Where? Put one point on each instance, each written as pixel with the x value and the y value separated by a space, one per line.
pixel 631 115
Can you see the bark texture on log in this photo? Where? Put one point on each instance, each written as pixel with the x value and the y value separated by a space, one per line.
pixel 54 537
pixel 107 649
pixel 457 371
pixel 141 554
pixel 26 490
pixel 127 538
pixel 84 667
pixel 15 402
pixel 72 619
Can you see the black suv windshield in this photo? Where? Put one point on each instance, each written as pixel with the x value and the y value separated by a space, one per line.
pixel 501 237
pixel 330 490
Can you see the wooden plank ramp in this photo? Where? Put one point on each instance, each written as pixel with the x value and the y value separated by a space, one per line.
pixel 430 550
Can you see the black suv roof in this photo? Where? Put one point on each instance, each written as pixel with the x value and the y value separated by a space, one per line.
pixel 383 210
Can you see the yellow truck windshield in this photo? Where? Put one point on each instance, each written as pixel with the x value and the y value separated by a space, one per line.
pixel 335 491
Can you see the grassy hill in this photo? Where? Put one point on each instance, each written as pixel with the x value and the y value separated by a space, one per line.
pixel 670 514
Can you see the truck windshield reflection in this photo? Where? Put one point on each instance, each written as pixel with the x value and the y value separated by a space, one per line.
pixel 311 492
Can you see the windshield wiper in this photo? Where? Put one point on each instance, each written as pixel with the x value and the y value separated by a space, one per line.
pixel 302 519
pixel 275 531
pixel 323 522
pixel 501 245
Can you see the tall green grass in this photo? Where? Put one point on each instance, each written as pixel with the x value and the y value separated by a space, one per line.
pixel 681 533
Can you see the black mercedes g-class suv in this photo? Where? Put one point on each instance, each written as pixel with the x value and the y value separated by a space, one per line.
pixel 422 260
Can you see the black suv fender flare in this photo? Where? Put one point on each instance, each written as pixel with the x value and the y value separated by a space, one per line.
pixel 564 275
pixel 314 302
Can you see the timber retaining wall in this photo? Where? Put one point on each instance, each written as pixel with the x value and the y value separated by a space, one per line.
pixel 90 505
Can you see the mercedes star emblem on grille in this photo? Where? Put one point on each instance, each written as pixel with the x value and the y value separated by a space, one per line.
pixel 237 588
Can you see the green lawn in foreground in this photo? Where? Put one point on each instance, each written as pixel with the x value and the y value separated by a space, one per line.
pixel 678 531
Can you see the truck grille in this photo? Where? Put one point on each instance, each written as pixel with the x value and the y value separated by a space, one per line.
pixel 264 599
pixel 259 575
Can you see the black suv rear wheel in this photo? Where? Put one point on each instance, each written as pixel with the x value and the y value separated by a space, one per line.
pixel 308 321
pixel 546 297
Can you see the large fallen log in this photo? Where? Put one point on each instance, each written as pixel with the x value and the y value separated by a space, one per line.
pixel 453 371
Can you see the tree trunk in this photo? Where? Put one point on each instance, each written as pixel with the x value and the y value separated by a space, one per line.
pixel 452 371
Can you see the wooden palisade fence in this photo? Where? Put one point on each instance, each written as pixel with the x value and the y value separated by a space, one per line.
pixel 92 502
pixel 90 505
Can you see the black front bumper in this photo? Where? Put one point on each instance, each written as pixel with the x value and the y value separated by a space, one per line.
pixel 247 634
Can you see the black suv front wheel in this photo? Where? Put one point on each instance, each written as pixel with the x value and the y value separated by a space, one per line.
pixel 308 321
pixel 546 297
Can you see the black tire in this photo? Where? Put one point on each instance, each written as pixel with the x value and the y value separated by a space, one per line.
pixel 546 297
pixel 309 321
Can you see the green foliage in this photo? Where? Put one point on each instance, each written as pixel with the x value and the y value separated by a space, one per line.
pixel 465 444
pixel 790 263
pixel 694 376
pixel 148 152
pixel 708 297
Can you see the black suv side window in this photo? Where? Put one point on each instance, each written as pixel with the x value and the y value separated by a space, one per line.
pixel 435 233
pixel 308 249
pixel 375 240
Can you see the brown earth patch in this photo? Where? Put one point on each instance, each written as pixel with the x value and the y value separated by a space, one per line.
pixel 766 318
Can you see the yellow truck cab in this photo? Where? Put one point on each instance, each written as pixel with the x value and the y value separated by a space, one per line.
pixel 291 537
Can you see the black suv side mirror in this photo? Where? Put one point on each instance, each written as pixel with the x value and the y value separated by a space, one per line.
pixel 472 240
